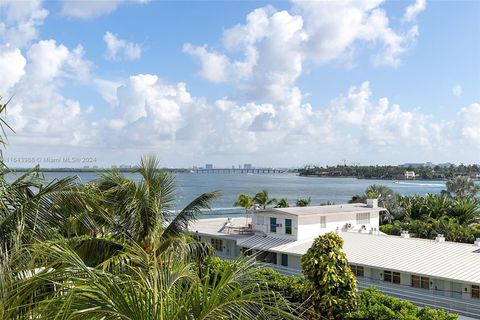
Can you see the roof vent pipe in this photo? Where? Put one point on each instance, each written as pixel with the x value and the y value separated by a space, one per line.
pixel 405 234
pixel 440 238
pixel 477 242
pixel 374 231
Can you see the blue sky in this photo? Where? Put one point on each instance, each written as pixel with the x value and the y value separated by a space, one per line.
pixel 268 83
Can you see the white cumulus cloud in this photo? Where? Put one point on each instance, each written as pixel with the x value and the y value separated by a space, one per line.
pixel 150 113
pixel 12 66
pixel 85 9
pixel 469 119
pixel 414 9
pixel 268 53
pixel 20 20
pixel 39 112
pixel 118 48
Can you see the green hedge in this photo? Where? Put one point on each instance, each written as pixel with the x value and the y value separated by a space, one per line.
pixel 372 304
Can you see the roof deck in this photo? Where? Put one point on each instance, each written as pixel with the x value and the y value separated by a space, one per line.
pixel 326 210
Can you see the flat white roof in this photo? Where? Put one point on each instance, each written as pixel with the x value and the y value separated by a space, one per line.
pixel 326 210
pixel 212 226
pixel 444 260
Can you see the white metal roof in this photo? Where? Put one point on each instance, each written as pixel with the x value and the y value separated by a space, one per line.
pixel 264 243
pixel 325 210
pixel 444 260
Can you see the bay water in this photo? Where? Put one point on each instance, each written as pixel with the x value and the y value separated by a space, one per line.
pixel 289 186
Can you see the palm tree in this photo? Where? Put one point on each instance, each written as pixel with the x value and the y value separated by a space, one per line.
pixel 303 202
pixel 462 186
pixel 282 203
pixel 30 208
pixel 3 125
pixel 327 203
pixel 137 285
pixel 466 210
pixel 244 201
pixel 263 200
pixel 143 210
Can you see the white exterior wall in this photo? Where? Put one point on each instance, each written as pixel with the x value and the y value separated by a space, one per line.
pixel 281 217
pixel 405 279
pixel 294 262
pixel 367 272
pixel 230 249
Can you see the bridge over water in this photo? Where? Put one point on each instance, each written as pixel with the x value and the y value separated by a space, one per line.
pixel 226 170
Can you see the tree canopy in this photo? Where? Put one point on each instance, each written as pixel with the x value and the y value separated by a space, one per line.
pixel 329 283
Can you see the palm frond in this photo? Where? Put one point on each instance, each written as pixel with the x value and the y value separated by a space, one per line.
pixel 190 213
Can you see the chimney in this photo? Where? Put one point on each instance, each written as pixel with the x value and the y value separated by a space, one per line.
pixel 440 238
pixel 477 242
pixel 405 234
pixel 372 203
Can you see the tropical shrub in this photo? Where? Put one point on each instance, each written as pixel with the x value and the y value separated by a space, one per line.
pixel 374 305
pixel 290 287
pixel 430 228
pixel 329 281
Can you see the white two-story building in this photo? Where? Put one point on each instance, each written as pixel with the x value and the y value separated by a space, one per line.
pixel 431 273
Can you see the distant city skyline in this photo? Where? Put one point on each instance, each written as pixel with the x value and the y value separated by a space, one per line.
pixel 75 165
pixel 279 84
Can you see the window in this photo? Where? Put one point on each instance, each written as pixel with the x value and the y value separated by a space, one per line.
pixel 288 226
pixel 357 270
pixel 217 244
pixel 323 222
pixel 475 292
pixel 425 283
pixel 284 260
pixel 273 225
pixel 415 281
pixel 393 277
pixel 396 277
pixel 363 218
pixel 420 282
pixel 387 276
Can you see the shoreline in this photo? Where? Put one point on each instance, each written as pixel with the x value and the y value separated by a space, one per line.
pixel 375 178
pixel 178 170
